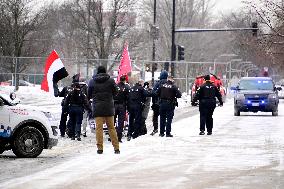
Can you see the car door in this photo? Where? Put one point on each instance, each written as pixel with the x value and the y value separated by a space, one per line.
pixel 5 129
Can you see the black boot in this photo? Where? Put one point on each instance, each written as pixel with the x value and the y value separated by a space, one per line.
pixel 154 132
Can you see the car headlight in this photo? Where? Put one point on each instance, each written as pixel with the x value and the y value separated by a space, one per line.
pixel 49 116
pixel 272 96
pixel 240 96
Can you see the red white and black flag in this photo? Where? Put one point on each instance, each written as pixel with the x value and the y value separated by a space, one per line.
pixel 53 72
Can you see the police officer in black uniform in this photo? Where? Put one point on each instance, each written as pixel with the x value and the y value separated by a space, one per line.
pixel 135 102
pixel 120 102
pixel 168 93
pixel 77 101
pixel 65 109
pixel 206 94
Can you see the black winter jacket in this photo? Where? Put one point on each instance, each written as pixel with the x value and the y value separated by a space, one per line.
pixel 206 94
pixel 104 89
pixel 123 91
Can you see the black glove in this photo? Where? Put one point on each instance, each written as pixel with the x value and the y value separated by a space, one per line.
pixel 192 103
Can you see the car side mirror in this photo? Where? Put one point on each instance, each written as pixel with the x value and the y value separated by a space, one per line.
pixel 12 96
pixel 1 102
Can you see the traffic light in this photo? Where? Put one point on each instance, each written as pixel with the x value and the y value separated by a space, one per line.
pixel 255 28
pixel 180 52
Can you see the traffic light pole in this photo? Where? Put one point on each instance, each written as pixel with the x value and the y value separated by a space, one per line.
pixel 194 30
pixel 254 30
pixel 173 50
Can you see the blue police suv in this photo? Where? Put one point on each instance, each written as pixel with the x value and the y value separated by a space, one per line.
pixel 253 94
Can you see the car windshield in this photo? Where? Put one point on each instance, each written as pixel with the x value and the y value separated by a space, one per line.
pixel 256 84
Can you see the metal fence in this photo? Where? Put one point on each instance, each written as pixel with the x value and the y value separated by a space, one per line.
pixel 31 69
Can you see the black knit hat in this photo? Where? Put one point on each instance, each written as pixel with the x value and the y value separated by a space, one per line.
pixel 75 78
pixel 207 77
pixel 101 69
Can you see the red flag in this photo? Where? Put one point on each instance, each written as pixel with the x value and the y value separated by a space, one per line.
pixel 125 63
pixel 53 72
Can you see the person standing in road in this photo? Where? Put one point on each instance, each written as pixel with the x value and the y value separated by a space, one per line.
pixel 155 101
pixel 77 101
pixel 146 108
pixel 135 104
pixel 206 94
pixel 168 94
pixel 104 89
pixel 65 109
pixel 84 89
pixel 120 102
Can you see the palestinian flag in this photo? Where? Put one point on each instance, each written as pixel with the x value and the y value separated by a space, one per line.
pixel 53 72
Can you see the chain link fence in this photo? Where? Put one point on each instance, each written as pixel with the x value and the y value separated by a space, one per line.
pixel 30 70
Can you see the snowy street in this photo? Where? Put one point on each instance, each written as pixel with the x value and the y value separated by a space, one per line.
pixel 243 152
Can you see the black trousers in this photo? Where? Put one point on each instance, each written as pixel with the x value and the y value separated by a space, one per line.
pixel 166 117
pixel 135 121
pixel 156 113
pixel 120 111
pixel 206 114
pixel 63 119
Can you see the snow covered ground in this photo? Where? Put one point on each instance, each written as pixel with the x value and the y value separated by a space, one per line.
pixel 243 152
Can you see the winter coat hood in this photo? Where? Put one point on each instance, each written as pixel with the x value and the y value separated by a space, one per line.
pixel 163 75
pixel 101 77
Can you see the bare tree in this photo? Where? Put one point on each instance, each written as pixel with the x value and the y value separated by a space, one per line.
pixel 103 23
pixel 18 20
pixel 270 14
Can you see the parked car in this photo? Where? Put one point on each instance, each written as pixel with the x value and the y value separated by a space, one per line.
pixel 199 80
pixel 25 129
pixel 21 83
pixel 253 94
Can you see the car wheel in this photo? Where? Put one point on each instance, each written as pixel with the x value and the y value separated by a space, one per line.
pixel 237 112
pixel 28 142
pixel 275 113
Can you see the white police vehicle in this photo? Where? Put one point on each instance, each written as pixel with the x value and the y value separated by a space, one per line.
pixel 254 94
pixel 25 129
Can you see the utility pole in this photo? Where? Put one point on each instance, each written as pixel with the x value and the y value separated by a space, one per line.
pixel 154 46
pixel 173 49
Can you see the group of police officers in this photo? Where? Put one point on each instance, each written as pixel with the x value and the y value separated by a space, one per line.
pixel 108 102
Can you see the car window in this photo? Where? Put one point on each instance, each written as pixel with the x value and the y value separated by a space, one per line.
pixel 257 84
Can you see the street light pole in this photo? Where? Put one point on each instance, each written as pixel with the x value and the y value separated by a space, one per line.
pixel 154 46
pixel 173 49
pixel 88 38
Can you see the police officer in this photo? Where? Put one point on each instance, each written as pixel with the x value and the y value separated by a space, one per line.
pixel 64 113
pixel 135 100
pixel 207 102
pixel 168 94
pixel 120 102
pixel 155 100
pixel 77 101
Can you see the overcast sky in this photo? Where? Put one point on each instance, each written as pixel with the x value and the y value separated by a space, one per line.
pixel 225 6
